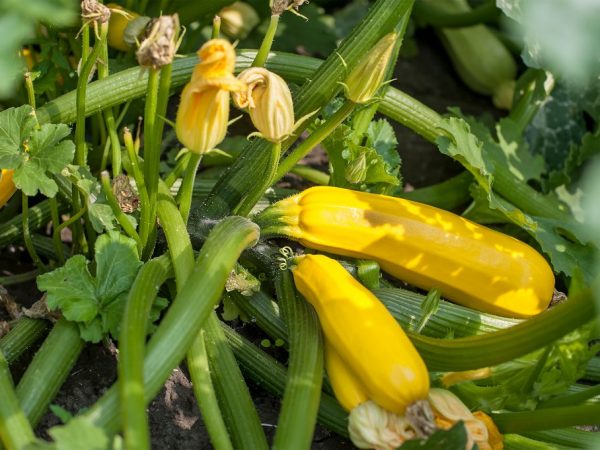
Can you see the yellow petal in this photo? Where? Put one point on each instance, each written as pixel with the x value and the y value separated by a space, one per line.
pixel 202 117
pixel 7 186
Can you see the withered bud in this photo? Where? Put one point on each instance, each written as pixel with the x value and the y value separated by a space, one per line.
pixel 280 6
pixel 93 11
pixel 160 42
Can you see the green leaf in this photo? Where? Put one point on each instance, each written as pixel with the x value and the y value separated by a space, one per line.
pixel 429 307
pixel 564 242
pixel 455 438
pixel 558 35
pixel 94 303
pixel 79 434
pixel 33 153
pixel 16 125
pixel 117 263
pixel 72 289
pixel 381 137
pixel 466 148
pixel 542 375
pixel 60 412
pixel 100 213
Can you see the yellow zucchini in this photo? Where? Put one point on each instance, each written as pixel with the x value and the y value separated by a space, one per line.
pixel 373 350
pixel 472 265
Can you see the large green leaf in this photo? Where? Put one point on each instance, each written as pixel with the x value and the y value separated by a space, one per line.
pixel 95 303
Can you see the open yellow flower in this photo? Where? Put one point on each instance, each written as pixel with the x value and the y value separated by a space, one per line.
pixel 269 103
pixel 7 186
pixel 217 60
pixel 203 112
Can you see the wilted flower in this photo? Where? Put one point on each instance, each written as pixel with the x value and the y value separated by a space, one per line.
pixel 203 113
pixel 364 80
pixel 449 409
pixel 269 103
pixel 238 19
pixel 7 186
pixel 160 43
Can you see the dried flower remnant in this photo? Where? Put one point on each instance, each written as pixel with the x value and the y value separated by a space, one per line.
pixel 94 12
pixel 159 45
pixel 269 103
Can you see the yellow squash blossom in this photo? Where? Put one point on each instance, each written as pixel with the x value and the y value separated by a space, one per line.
pixel 203 112
pixel 269 103
pixel 7 186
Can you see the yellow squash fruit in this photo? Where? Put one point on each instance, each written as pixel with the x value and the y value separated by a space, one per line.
pixel 7 186
pixel 369 342
pixel 472 265
pixel 347 388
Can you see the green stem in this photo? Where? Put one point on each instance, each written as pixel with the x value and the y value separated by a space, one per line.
pixel 433 14
pixel 234 398
pixel 72 220
pixel 24 333
pixel 15 430
pixel 546 419
pixel 267 42
pixel 271 375
pixel 569 437
pixel 503 345
pixel 518 442
pixel 162 101
pixel 82 82
pixel 135 170
pixel 305 369
pixel 571 399
pixel 263 181
pixel 11 231
pixel 56 239
pixel 116 209
pixel 179 168
pixel 19 278
pixel 109 117
pixel 592 372
pixel 186 190
pixel 27 235
pixel 49 369
pixel 131 349
pixel 197 363
pixel 315 138
pixel 186 315
pixel 449 194
pixel 30 90
pixel 151 162
pixel 310 174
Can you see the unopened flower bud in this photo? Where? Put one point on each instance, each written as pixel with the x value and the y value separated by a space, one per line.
pixel 365 79
pixel 7 186
pixel 160 43
pixel 238 19
pixel 269 103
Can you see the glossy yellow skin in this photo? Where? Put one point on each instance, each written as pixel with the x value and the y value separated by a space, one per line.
pixel 347 388
pixel 7 186
pixel 425 246
pixel 365 336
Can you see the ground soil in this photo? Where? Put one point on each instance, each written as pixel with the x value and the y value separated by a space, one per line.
pixel 174 416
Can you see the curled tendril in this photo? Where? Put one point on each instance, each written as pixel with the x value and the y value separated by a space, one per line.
pixel 286 254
